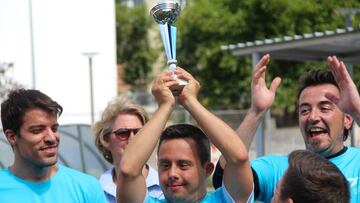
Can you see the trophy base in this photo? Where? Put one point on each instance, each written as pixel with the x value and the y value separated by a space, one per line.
pixel 176 89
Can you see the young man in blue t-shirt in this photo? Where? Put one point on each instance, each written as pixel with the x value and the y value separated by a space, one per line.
pixel 29 120
pixel 327 104
pixel 184 152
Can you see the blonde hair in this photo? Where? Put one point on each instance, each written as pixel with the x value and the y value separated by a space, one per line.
pixel 103 128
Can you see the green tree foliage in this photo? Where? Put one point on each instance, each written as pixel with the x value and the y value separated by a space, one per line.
pixel 205 25
pixel 6 82
pixel 133 49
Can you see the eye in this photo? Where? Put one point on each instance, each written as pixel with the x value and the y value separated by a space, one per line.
pixel 326 108
pixel 304 110
pixel 55 128
pixel 36 130
pixel 164 165
pixel 184 165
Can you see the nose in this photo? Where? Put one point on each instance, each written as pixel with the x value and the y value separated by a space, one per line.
pixel 314 115
pixel 173 173
pixel 50 136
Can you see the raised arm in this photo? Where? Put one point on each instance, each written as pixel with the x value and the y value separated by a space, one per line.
pixel 131 182
pixel 261 100
pixel 238 178
pixel 349 101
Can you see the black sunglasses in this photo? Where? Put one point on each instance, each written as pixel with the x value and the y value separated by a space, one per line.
pixel 124 133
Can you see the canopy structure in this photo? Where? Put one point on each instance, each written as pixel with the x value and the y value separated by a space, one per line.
pixel 344 43
pixel 317 46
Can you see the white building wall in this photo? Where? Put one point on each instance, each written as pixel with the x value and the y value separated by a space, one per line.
pixel 63 31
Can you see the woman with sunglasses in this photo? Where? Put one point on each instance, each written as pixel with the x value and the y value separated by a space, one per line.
pixel 119 123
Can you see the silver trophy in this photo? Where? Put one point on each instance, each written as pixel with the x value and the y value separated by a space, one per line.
pixel 165 14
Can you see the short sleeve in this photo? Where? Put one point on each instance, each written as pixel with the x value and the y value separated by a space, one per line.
pixel 269 170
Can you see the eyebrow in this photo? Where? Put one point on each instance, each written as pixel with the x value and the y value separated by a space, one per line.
pixel 327 102
pixel 42 126
pixel 320 103
pixel 177 161
pixel 163 160
pixel 304 105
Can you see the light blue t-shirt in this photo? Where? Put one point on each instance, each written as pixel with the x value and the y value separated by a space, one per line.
pixel 109 187
pixel 221 195
pixel 67 185
pixel 270 169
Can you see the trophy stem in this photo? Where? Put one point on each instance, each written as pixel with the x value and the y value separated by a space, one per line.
pixel 165 15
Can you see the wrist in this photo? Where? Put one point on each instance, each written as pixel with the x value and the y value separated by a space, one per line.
pixel 256 113
pixel 188 102
pixel 167 104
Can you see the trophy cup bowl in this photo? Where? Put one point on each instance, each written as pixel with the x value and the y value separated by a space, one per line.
pixel 165 15
pixel 166 12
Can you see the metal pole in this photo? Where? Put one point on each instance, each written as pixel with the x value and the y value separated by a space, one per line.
pixel 91 91
pixel 32 51
pixel 259 135
pixel 90 55
pixel 81 148
pixel 267 128
pixel 350 69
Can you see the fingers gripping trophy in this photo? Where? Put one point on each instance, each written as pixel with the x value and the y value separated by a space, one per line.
pixel 165 14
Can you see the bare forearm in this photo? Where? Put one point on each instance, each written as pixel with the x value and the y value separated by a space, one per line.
pixel 237 173
pixel 248 126
pixel 140 148
pixel 220 134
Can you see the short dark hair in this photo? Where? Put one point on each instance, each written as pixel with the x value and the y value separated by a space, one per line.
pixel 21 100
pixel 183 131
pixel 311 178
pixel 314 78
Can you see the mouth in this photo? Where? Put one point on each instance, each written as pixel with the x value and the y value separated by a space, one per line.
pixel 49 149
pixel 174 186
pixel 316 131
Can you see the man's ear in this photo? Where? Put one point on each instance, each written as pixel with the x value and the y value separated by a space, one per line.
pixel 11 136
pixel 209 167
pixel 348 121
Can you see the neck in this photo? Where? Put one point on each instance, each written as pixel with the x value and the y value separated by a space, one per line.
pixel 32 172
pixel 198 197
pixel 333 152
pixel 342 151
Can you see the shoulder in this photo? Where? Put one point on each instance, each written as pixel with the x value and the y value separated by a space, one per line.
pixel 78 179
pixel 353 150
pixel 273 160
pixel 5 177
pixel 4 172
pixel 351 154
pixel 66 172
pixel 79 183
pixel 149 199
pixel 220 195
pixel 350 157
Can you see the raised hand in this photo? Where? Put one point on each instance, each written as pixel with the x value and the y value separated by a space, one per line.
pixel 160 88
pixel 191 90
pixel 261 97
pixel 349 100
